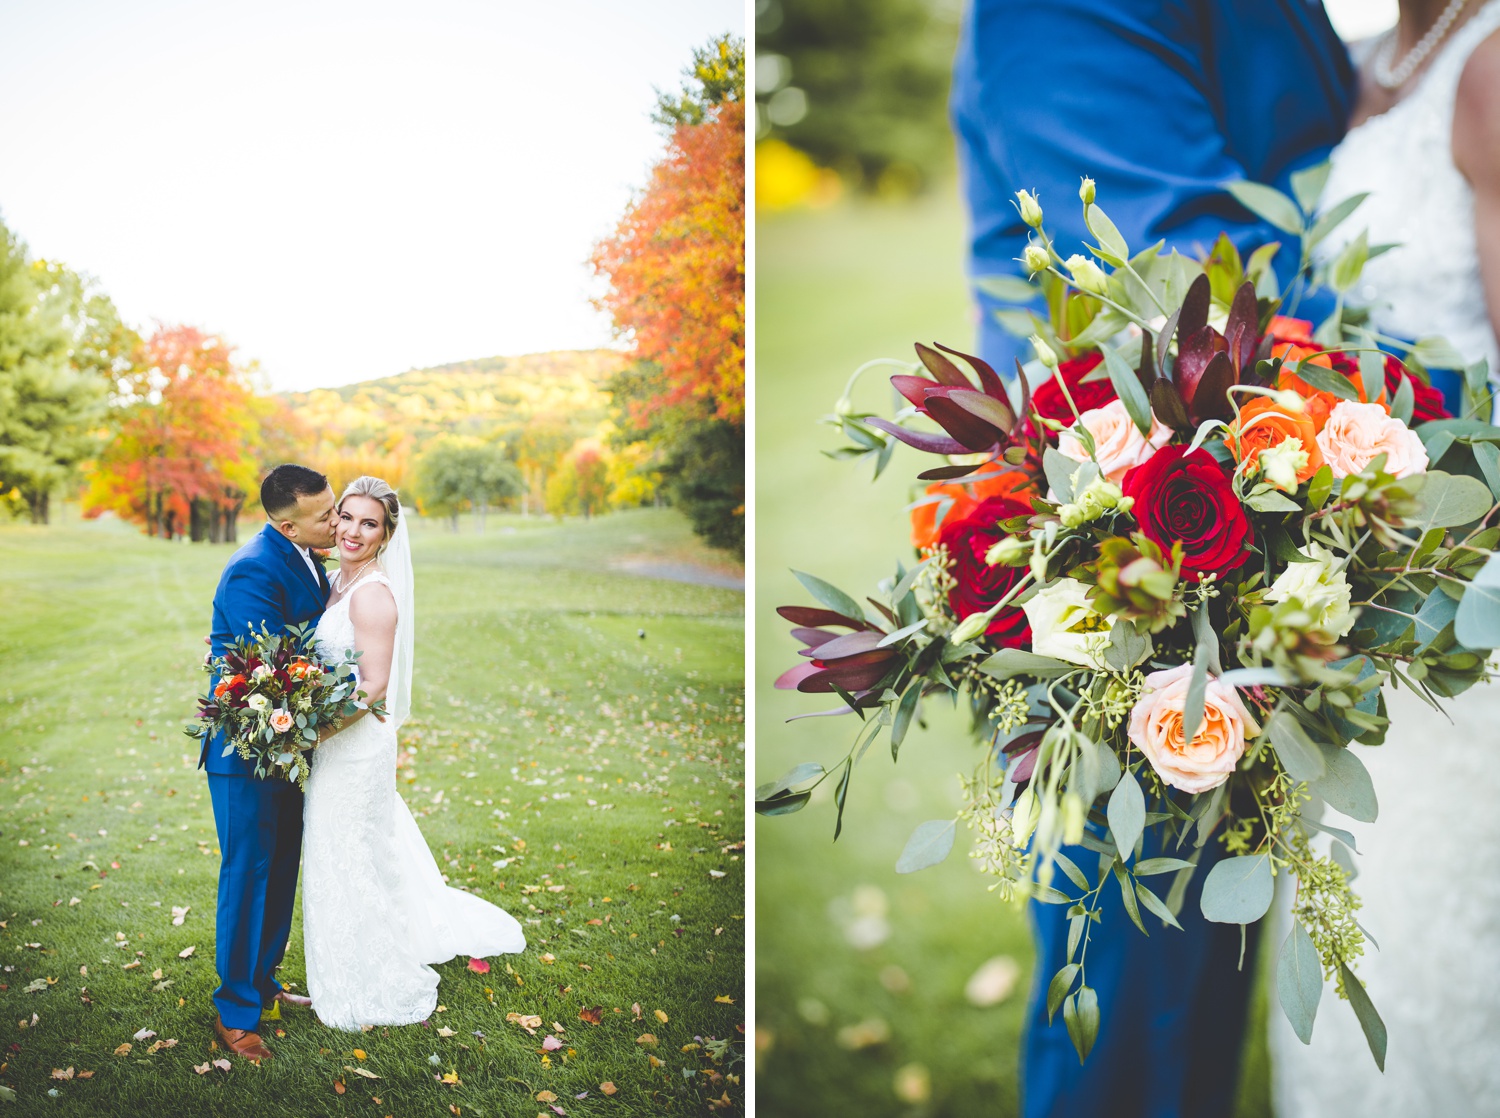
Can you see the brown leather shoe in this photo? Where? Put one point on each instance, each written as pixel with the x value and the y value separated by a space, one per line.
pixel 242 1042
pixel 293 999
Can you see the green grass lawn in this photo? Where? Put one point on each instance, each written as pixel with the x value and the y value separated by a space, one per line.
pixel 606 766
pixel 834 289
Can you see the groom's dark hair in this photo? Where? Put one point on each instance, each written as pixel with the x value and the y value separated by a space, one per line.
pixel 284 484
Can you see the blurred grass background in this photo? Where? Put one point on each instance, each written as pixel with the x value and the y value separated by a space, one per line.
pixel 860 973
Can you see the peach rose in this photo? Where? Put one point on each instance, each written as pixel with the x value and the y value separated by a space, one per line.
pixel 1356 433
pixel 1118 443
pixel 281 721
pixel 1156 728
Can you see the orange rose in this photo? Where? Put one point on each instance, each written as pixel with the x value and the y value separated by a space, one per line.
pixel 995 479
pixel 1263 423
pixel 1319 403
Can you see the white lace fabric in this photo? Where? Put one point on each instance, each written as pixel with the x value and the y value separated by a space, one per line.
pixel 1427 878
pixel 375 910
pixel 1419 200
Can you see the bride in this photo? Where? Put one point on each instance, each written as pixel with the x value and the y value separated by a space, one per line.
pixel 375 911
pixel 1425 142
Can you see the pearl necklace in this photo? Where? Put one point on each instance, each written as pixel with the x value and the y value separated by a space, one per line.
pixel 355 577
pixel 1394 77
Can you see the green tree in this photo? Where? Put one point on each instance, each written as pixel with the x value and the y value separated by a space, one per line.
pixel 716 76
pixel 457 472
pixel 860 85
pixel 57 338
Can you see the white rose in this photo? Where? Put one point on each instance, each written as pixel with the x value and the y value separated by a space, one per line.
pixel 1064 625
pixel 1321 589
pixel 257 702
pixel 1118 443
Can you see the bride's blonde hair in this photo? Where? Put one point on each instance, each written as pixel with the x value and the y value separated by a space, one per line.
pixel 376 489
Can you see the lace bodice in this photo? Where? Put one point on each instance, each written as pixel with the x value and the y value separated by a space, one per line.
pixel 1420 201
pixel 335 633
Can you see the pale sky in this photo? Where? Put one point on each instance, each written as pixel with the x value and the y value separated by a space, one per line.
pixel 343 190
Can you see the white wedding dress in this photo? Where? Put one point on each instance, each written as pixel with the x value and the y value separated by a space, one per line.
pixel 375 910
pixel 1428 874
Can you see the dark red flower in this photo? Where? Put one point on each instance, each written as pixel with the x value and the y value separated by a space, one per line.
pixel 1187 499
pixel 1429 403
pixel 979 585
pixel 1047 398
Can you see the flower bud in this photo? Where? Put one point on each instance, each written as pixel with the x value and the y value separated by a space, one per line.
pixel 1290 401
pixel 1044 352
pixel 1007 552
pixel 970 628
pixel 1073 818
pixel 1086 191
pixel 1088 275
pixel 1023 818
pixel 1031 212
pixel 1073 515
pixel 1036 259
pixel 845 406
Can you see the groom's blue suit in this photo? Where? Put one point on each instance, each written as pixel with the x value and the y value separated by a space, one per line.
pixel 259 821
pixel 1161 102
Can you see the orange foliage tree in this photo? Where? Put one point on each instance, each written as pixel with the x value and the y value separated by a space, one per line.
pixel 676 265
pixel 186 452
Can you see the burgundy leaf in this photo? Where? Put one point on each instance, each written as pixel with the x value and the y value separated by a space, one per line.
pixel 811 615
pixel 813 637
pixel 1243 326
pixel 947 473
pixel 989 380
pixel 913 388
pixel 1194 314
pixel 987 408
pixel 939 366
pixel 1211 400
pixel 795 676
pixel 849 645
pixel 1022 766
pixel 920 440
pixel 971 431
pixel 1194 352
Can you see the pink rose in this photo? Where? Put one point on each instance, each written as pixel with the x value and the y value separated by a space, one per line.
pixel 281 721
pixel 1156 729
pixel 1356 433
pixel 1118 442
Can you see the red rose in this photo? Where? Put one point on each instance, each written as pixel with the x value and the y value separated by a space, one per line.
pixel 979 585
pixel 1186 498
pixel 1428 404
pixel 1047 398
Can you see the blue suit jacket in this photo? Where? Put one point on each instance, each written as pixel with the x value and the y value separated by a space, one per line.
pixel 267 581
pixel 1159 101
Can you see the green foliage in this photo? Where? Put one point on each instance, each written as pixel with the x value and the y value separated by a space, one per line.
pixel 59 341
pixel 716 76
pixel 455 473
pixel 700 459
pixel 873 76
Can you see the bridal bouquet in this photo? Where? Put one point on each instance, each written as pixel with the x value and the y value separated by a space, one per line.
pixel 272 697
pixel 1171 585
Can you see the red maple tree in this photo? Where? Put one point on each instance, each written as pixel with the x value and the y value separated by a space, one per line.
pixel 676 266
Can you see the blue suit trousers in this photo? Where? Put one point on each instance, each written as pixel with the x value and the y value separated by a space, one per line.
pixel 260 835
pixel 1172 1010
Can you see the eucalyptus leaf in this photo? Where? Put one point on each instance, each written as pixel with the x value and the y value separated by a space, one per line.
pixel 1272 500
pixel 808 770
pixel 1436 612
pixel 1327 380
pixel 1404 402
pixel 1058 988
pixel 1268 204
pixel 1487 455
pixel 1149 867
pixel 1448 500
pixel 1301 759
pixel 1007 289
pixel 1156 906
pixel 1128 388
pixel 1346 785
pixel 1477 623
pixel 1059 469
pixel 1126 813
pixel 1010 662
pixel 1308 183
pixel 1436 352
pixel 1106 234
pixel 1127 647
pixel 1238 890
pixel 1192 711
pixel 1299 981
pixel 1369 1019
pixel 1331 220
pixel 831 596
pixel 904 712
pixel 929 844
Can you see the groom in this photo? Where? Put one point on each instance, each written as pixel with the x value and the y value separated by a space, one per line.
pixel 1161 102
pixel 275 581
